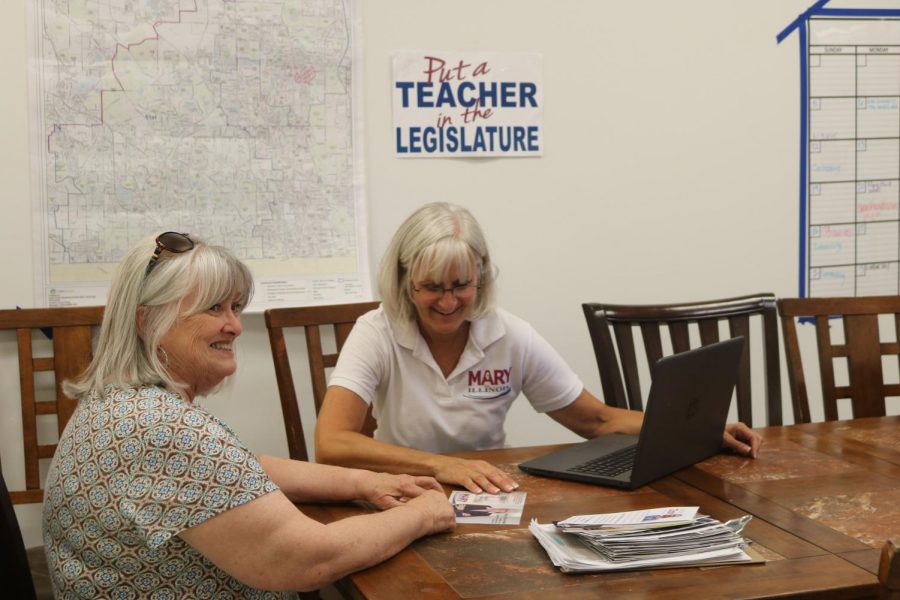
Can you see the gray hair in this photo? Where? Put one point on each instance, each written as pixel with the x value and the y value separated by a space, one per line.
pixel 127 353
pixel 434 239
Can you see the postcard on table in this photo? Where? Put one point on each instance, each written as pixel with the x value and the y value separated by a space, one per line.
pixel 496 509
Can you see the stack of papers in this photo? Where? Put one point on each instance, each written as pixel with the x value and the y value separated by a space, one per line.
pixel 672 536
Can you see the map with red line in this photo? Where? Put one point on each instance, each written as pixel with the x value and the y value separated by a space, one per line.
pixel 229 119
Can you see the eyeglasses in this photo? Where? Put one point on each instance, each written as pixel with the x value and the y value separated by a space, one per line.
pixel 173 242
pixel 433 291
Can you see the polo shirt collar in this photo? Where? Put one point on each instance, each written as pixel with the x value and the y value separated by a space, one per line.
pixel 486 330
pixel 483 332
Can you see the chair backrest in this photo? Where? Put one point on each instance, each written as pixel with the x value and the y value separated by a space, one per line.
pixel 607 320
pixel 72 331
pixel 862 349
pixel 342 318
pixel 14 568
pixel 889 569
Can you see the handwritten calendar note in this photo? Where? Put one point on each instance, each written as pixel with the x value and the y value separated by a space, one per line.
pixel 852 212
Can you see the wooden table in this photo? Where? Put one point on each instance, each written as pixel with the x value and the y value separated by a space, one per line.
pixel 824 497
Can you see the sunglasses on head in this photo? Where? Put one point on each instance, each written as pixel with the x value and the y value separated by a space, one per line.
pixel 170 241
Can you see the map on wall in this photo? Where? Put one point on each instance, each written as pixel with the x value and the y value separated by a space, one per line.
pixel 232 121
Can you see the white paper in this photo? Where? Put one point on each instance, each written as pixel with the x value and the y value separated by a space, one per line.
pixel 653 516
pixel 570 555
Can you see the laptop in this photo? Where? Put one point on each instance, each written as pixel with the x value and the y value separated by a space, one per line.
pixel 690 394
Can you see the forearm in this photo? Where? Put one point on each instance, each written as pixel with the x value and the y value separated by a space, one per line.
pixel 351 449
pixel 353 544
pixel 311 482
pixel 590 425
pixel 269 544
pixel 589 417
pixel 614 420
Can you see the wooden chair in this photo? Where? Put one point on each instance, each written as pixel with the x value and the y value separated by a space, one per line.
pixel 606 320
pixel 70 352
pixel 341 317
pixel 862 349
pixel 889 570
pixel 71 330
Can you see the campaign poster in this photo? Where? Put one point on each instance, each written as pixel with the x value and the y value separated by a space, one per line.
pixel 467 104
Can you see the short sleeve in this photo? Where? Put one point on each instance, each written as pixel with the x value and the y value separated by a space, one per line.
pixel 186 466
pixel 362 363
pixel 549 383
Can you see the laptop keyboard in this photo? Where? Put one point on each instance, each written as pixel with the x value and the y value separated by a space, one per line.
pixel 610 465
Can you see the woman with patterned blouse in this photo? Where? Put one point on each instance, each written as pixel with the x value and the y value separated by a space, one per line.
pixel 151 496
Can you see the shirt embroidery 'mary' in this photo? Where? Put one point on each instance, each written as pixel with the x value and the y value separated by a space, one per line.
pixel 485 384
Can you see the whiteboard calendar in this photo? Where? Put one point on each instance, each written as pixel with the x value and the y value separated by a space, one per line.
pixel 850 221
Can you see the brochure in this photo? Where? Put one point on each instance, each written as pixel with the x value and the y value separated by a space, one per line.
pixel 496 509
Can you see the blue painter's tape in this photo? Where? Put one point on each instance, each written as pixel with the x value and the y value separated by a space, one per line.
pixel 804 104
pixel 801 18
pixel 859 12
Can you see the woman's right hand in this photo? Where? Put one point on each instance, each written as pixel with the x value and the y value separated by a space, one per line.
pixel 477 476
pixel 435 509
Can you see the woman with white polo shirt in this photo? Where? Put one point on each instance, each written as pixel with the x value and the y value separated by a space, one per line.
pixel 441 366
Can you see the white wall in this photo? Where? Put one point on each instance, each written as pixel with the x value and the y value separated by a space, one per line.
pixel 669 173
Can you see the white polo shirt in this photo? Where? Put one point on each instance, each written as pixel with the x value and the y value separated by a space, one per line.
pixel 417 407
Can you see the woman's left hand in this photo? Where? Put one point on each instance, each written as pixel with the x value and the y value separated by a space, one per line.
pixel 385 490
pixel 741 439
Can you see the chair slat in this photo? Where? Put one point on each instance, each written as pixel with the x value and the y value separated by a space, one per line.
pixel 740 326
pixel 866 376
pixel 287 395
pixel 340 318
pixel 26 496
pixel 897 335
pixel 772 364
pixel 681 340
pixel 797 381
pixel 45 408
pixel 890 348
pixel 29 420
pixel 341 331
pixel 72 355
pixel 42 364
pixel 652 342
pixel 625 342
pixel 46 450
pixel 826 368
pixel 846 392
pixel 316 364
pixel 709 331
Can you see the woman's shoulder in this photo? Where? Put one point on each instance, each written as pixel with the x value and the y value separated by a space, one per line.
pixel 374 316
pixel 511 323
pixel 501 326
pixel 150 405
pixel 378 325
pixel 147 396
pixel 163 414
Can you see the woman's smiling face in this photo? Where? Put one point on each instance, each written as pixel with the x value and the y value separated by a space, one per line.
pixel 199 348
pixel 442 307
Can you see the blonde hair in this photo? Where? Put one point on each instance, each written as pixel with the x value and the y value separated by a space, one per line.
pixel 127 354
pixel 433 240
